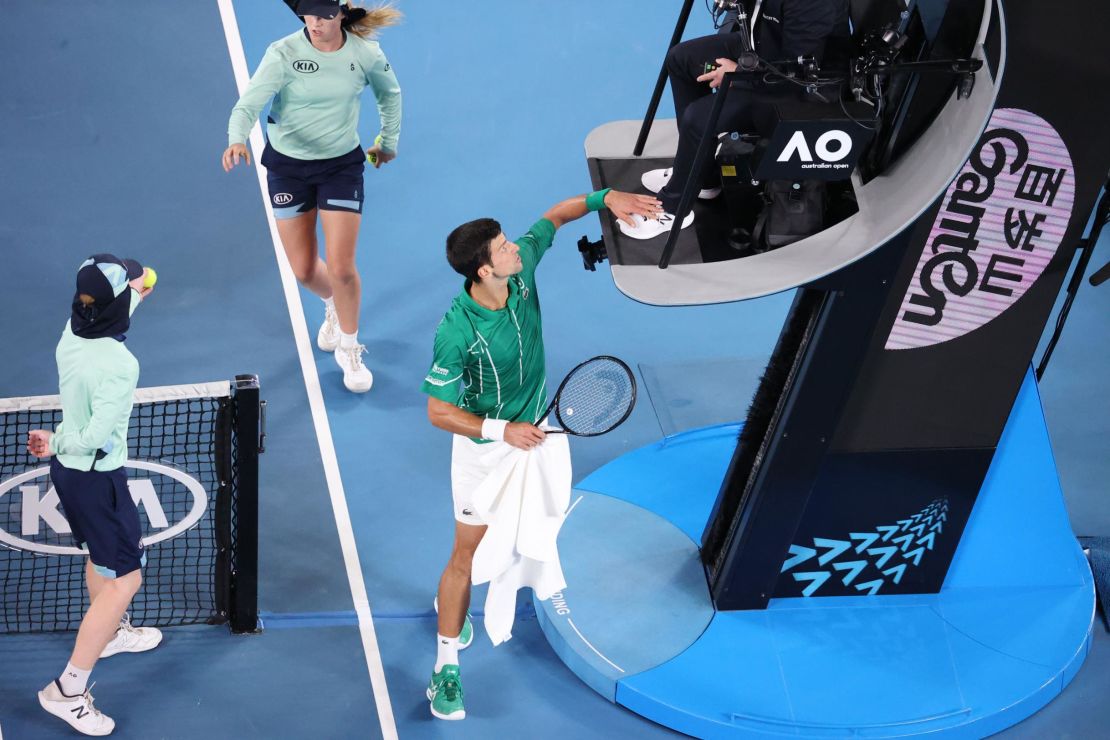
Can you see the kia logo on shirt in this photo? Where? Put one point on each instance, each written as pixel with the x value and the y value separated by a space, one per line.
pixel 305 65
pixel 37 505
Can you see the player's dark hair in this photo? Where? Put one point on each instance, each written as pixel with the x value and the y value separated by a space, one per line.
pixel 468 246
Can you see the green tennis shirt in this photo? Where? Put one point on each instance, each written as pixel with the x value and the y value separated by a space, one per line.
pixel 491 363
pixel 317 97
pixel 96 381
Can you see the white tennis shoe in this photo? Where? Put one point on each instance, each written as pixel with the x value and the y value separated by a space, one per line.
pixel 130 639
pixel 656 180
pixel 77 711
pixel 356 376
pixel 647 228
pixel 327 338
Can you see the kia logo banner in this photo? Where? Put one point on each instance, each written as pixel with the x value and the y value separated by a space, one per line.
pixel 40 516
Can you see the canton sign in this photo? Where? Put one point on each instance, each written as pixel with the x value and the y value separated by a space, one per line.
pixel 40 515
pixel 1001 222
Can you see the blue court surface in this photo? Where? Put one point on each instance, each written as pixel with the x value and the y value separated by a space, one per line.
pixel 114 118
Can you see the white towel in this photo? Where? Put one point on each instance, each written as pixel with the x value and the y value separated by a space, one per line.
pixel 524 502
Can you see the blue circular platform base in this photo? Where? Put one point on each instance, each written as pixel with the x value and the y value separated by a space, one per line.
pixel 1009 630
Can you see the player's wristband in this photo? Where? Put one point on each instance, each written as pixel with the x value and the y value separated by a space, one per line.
pixel 596 201
pixel 494 429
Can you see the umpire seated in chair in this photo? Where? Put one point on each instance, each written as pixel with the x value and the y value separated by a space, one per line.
pixel 781 30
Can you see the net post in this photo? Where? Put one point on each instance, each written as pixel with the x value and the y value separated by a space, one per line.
pixel 243 614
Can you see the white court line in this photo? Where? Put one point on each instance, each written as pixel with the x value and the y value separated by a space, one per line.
pixel 316 404
pixel 591 647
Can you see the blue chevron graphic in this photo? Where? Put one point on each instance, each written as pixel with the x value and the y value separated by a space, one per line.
pixel 916 555
pixel 937 527
pixel 887 552
pixel 872 587
pixel 919 528
pixel 889 530
pixel 943 516
pixel 930 538
pixel 905 523
pixel 835 548
pixel 905 540
pixel 817 577
pixel 853 567
pixel 867 537
pixel 801 554
pixel 897 571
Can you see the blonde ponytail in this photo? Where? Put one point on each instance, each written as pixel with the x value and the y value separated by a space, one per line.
pixel 374 18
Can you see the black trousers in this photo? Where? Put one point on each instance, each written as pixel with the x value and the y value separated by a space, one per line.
pixel 748 109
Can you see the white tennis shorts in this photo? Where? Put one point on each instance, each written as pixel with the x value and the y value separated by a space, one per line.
pixel 467 473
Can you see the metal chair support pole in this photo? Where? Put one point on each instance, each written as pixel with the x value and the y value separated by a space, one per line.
pixel 1086 249
pixel 657 95
pixel 707 139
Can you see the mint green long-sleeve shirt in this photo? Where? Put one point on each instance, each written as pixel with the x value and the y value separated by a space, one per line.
pixel 96 380
pixel 317 97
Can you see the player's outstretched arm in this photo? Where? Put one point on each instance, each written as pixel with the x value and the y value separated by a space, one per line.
pixel 623 206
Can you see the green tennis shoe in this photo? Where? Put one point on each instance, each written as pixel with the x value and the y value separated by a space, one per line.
pixel 466 635
pixel 446 694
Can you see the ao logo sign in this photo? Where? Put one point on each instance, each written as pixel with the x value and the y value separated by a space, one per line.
pixel 39 507
pixel 831 146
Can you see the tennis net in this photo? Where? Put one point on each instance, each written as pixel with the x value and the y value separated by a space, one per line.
pixel 192 472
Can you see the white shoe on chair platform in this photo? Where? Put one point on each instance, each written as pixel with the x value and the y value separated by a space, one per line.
pixel 656 180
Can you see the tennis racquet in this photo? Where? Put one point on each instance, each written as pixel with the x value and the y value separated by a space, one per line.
pixel 594 398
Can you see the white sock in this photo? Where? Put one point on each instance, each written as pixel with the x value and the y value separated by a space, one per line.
pixel 330 303
pixel 74 680
pixel 447 651
pixel 346 341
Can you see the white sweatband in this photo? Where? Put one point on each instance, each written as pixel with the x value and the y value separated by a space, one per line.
pixel 494 429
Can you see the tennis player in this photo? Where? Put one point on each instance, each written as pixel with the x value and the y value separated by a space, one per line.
pixel 488 381
pixel 97 376
pixel 313 157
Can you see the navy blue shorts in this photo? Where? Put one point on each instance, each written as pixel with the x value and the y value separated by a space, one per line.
pixel 298 185
pixel 103 517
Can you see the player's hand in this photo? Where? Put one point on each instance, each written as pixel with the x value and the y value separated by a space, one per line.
pixel 379 156
pixel 138 285
pixel 523 436
pixel 714 78
pixel 624 205
pixel 38 442
pixel 233 154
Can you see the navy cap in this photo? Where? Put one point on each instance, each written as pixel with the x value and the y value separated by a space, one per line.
pixel 319 8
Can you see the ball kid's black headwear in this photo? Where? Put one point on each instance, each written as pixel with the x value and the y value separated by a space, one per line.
pixel 326 9
pixel 102 304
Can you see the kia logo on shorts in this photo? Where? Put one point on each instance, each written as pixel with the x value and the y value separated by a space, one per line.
pixel 282 199
pixel 38 506
pixel 305 65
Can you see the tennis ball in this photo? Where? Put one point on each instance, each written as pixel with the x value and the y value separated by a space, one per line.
pixel 150 278
pixel 370 156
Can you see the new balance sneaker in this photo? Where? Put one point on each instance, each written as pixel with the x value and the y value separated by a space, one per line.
pixel 78 711
pixel 327 338
pixel 647 228
pixel 130 639
pixel 466 635
pixel 446 694
pixel 656 180
pixel 356 376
